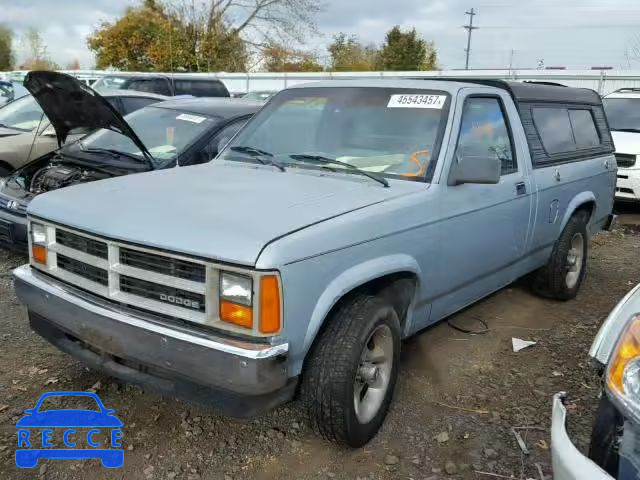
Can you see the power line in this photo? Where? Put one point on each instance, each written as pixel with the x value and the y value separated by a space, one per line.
pixel 469 28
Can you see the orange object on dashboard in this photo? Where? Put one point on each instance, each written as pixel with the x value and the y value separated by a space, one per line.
pixel 422 167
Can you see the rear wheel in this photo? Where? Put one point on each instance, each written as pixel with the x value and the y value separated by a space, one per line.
pixel 352 370
pixel 5 171
pixel 562 276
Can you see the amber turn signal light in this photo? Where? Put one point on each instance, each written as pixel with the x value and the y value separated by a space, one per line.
pixel 269 304
pixel 39 254
pixel 628 349
pixel 236 314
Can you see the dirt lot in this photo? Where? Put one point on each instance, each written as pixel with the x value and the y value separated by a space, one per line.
pixel 458 397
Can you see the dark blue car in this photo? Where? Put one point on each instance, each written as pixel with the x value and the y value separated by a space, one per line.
pixel 77 446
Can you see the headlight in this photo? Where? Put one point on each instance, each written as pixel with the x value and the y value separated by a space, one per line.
pixel 237 306
pixel 38 237
pixel 236 288
pixel 623 371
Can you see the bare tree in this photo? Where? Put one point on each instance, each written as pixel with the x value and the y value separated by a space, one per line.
pixel 38 58
pixel 258 22
pixel 633 50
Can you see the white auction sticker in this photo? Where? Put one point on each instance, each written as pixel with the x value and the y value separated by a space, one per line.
pixel 191 118
pixel 417 101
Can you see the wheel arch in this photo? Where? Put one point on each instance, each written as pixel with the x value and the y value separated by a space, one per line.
pixel 585 201
pixel 372 276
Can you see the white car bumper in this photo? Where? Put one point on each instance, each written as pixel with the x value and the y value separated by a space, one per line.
pixel 628 184
pixel 568 462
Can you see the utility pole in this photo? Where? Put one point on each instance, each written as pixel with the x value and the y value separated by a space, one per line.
pixel 511 62
pixel 469 28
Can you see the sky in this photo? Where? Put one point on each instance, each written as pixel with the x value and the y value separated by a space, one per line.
pixel 570 33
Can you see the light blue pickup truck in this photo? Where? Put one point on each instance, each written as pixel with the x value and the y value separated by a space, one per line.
pixel 343 218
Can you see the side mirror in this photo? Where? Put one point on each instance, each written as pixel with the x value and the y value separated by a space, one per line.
pixel 472 169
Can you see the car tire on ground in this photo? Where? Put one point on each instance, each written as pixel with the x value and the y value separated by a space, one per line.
pixel 607 428
pixel 5 171
pixel 562 276
pixel 351 372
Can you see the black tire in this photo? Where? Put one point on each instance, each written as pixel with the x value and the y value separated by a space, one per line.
pixel 605 436
pixel 327 390
pixel 5 171
pixel 551 280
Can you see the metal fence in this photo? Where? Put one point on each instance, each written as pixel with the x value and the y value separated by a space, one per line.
pixel 603 81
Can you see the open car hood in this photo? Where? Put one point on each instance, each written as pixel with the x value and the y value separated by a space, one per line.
pixel 69 104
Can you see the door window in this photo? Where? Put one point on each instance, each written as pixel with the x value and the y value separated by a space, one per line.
pixel 151 85
pixel 484 133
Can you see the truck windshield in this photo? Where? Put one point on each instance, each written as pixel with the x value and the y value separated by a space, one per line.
pixel 391 132
pixel 623 113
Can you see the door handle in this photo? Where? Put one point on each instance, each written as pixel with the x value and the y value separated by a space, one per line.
pixel 607 164
pixel 556 175
pixel 521 188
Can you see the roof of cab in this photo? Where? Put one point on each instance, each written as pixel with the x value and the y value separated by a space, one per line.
pixel 519 91
pixel 221 106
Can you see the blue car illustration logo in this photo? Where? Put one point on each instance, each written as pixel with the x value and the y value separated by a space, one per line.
pixel 42 432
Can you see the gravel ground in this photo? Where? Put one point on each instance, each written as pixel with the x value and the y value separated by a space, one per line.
pixel 457 399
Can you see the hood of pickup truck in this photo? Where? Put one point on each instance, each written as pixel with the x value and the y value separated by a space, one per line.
pixel 223 210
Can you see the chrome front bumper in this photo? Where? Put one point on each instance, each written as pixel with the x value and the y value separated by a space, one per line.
pixel 241 378
pixel 568 462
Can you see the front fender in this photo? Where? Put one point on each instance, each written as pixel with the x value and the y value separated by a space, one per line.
pixel 574 204
pixel 353 278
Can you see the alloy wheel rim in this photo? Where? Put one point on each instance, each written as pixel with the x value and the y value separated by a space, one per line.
pixel 575 258
pixel 373 374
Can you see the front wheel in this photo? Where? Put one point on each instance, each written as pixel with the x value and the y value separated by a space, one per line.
pixel 562 276
pixel 352 370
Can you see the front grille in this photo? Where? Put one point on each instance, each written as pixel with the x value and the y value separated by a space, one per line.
pixel 161 264
pixel 625 160
pixel 162 293
pixel 82 244
pixel 13 206
pixel 166 285
pixel 84 270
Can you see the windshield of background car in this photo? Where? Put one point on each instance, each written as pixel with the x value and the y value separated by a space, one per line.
pixel 165 132
pixel 22 114
pixel 623 113
pixel 109 82
pixel 394 132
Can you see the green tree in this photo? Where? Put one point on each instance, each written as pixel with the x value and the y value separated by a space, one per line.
pixel 348 54
pixel 407 51
pixel 6 48
pixel 278 58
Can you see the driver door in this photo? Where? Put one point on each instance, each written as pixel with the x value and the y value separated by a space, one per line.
pixel 485 228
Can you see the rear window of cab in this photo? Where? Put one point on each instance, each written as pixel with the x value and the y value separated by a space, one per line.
pixel 389 131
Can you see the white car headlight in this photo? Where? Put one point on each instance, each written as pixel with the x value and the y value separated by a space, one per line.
pixel 623 369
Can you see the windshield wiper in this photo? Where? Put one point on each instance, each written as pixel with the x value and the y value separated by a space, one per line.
pixel 259 156
pixel 111 152
pixel 306 157
pixel 631 130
